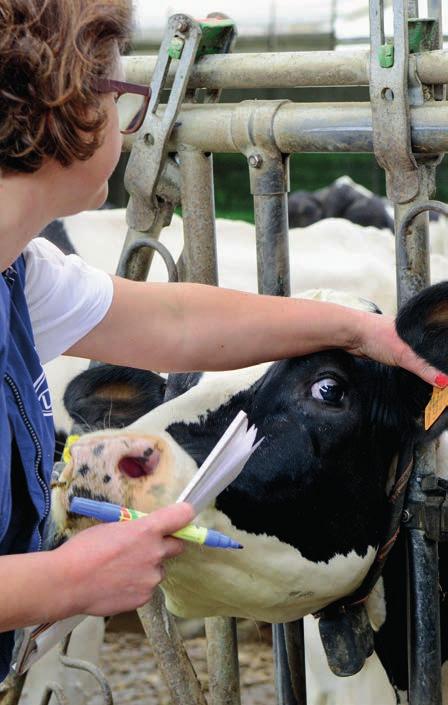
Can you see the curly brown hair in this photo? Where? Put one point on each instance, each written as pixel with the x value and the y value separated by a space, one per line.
pixel 51 53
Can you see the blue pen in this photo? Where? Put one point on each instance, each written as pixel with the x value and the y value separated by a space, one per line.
pixel 106 511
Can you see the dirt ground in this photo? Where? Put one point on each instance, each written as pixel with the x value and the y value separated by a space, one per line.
pixel 129 665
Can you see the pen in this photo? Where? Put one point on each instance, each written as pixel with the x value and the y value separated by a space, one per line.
pixel 106 511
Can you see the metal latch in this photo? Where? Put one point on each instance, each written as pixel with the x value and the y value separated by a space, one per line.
pixel 431 514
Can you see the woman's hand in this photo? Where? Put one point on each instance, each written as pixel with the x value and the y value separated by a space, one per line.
pixel 112 568
pixel 377 338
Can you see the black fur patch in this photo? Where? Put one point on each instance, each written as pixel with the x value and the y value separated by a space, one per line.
pixel 423 324
pixel 56 233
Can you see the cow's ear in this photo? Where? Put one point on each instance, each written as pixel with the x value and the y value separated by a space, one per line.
pixel 110 396
pixel 423 324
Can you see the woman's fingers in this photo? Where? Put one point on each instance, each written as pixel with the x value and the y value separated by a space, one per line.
pixel 170 519
pixel 173 547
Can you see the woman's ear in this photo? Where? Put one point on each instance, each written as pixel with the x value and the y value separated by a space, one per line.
pixel 423 324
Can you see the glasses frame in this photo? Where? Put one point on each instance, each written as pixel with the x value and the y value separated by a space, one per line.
pixel 108 85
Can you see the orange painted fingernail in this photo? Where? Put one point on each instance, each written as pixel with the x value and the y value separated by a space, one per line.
pixel 441 381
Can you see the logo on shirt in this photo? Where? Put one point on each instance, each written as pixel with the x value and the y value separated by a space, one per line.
pixel 43 394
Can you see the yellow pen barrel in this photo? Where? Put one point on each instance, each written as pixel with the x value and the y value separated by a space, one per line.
pixel 195 534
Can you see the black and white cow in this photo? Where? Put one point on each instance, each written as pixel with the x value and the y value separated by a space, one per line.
pixel 310 505
pixel 341 199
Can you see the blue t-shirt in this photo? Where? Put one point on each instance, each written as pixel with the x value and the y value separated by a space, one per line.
pixel 26 433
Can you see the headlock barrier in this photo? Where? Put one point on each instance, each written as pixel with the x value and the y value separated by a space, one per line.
pixel 171 164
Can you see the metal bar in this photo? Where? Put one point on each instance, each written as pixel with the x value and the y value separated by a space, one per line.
pixel 412 8
pixel 390 105
pixel 271 226
pixel 147 160
pixel 295 649
pixel 172 658
pixel 412 258
pixel 197 263
pixel 198 260
pixel 222 661
pixel 283 687
pixel 424 661
pixel 269 184
pixel 285 69
pixel 307 127
pixel 435 10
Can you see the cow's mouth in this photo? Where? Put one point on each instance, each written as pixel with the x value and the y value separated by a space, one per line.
pixel 140 466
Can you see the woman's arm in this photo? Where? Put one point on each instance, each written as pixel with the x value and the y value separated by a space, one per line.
pixel 184 327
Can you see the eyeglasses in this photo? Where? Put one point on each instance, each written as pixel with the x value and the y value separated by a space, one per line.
pixel 133 100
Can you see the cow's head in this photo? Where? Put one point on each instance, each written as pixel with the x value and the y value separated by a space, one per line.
pixel 310 504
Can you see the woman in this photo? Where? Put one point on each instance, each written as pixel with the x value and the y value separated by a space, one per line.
pixel 59 143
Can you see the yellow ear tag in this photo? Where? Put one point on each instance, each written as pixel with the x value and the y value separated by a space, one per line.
pixel 436 405
pixel 66 455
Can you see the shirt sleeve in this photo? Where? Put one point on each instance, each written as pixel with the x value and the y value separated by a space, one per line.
pixel 66 297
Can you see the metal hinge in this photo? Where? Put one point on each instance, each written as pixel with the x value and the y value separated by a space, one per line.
pixel 430 514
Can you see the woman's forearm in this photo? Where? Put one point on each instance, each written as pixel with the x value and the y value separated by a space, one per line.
pixel 32 590
pixel 227 329
pixel 177 327
pixel 185 327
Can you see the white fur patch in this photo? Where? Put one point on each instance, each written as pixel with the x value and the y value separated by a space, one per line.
pixel 267 580
pixel 213 391
pixel 376 606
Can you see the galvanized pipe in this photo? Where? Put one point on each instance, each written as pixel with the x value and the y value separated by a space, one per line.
pixel 282 674
pixel 295 648
pixel 424 661
pixel 222 661
pixel 271 227
pixel 198 260
pixel 412 256
pixel 172 658
pixel 307 127
pixel 285 69
pixel 198 264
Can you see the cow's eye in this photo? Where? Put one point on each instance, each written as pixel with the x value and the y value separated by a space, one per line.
pixel 328 390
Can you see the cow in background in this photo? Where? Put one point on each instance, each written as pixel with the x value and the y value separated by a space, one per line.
pixel 342 199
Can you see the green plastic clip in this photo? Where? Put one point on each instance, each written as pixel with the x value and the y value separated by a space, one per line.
pixel 423 34
pixel 217 33
pixel 176 48
pixel 386 55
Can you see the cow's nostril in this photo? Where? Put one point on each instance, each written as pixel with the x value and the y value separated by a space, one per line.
pixel 140 466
